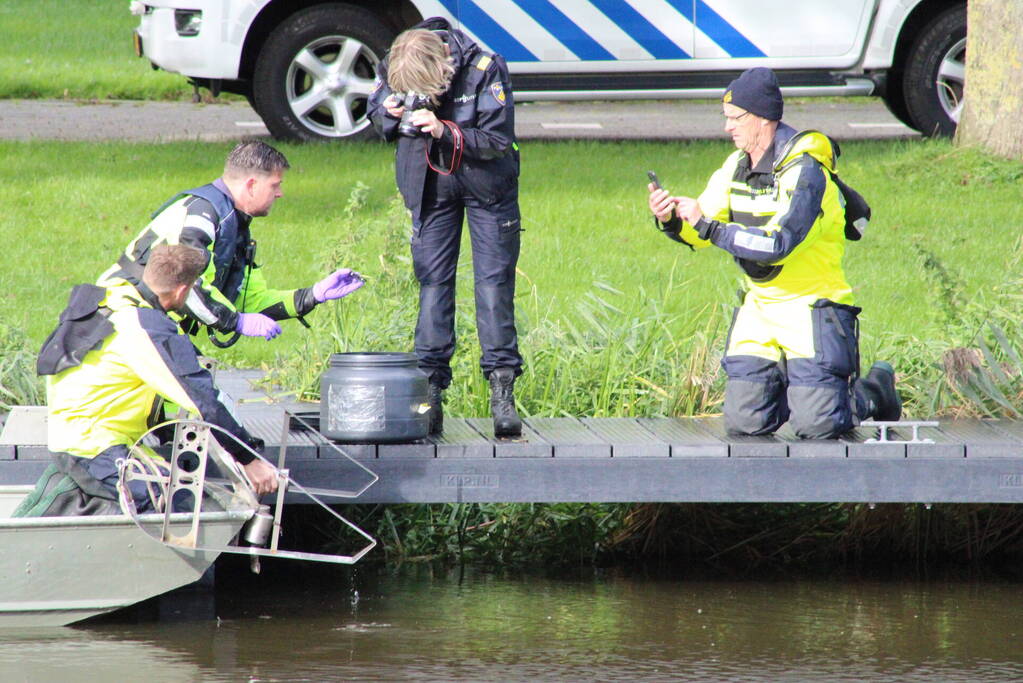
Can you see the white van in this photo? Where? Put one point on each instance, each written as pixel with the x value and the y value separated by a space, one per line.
pixel 308 66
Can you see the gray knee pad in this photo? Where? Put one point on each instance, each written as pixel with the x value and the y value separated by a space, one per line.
pixel 754 408
pixel 820 411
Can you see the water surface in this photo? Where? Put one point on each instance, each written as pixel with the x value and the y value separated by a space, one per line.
pixel 421 624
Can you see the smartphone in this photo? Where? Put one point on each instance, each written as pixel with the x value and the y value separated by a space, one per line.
pixel 653 178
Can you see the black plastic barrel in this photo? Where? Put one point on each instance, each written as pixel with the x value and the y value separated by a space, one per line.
pixel 379 397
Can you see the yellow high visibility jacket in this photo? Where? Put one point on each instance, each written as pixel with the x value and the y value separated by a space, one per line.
pixel 108 399
pixel 783 221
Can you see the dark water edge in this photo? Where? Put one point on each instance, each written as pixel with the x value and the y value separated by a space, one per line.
pixel 235 572
pixel 428 622
pixel 436 622
pixel 737 540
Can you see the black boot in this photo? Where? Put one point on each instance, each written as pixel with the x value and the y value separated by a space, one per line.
pixel 502 403
pixel 435 396
pixel 880 387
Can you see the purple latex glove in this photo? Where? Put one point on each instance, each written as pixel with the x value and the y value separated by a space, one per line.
pixel 336 285
pixel 257 325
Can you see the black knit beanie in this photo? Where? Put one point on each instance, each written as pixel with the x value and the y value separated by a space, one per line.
pixel 756 90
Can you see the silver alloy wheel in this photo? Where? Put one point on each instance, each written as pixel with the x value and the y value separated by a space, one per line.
pixel 329 83
pixel 950 80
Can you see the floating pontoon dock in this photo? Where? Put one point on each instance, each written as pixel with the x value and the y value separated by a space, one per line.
pixel 616 460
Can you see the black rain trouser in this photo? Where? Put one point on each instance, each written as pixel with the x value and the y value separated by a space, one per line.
pixel 436 236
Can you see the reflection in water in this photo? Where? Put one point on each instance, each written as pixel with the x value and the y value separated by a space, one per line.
pixel 64 654
pixel 418 625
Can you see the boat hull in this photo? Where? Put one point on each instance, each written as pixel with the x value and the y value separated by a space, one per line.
pixel 58 570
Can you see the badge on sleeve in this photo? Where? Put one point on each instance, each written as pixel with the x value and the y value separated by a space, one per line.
pixel 497 90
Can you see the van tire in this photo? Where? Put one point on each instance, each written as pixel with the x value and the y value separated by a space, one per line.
pixel 934 108
pixel 895 99
pixel 294 70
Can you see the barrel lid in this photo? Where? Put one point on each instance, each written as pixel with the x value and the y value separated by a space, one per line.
pixel 373 359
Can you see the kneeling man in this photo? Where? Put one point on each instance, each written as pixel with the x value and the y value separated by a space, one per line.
pixel 114 355
pixel 792 352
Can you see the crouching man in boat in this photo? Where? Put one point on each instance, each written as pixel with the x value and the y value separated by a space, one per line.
pixel 114 355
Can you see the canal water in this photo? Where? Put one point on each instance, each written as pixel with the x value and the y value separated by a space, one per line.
pixel 421 624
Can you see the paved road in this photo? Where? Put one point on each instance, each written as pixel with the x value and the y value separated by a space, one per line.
pixel 673 120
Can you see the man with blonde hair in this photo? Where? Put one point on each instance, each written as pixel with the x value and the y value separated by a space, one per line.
pixel 449 105
pixel 113 357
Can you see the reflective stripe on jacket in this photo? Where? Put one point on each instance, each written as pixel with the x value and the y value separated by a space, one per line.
pixel 783 222
pixel 205 218
pixel 108 399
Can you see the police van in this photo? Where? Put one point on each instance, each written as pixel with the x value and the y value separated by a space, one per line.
pixel 308 66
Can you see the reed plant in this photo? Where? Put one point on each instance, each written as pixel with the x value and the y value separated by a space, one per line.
pixel 523 534
pixel 985 375
pixel 615 355
pixel 976 367
pixel 747 538
pixel 341 328
pixel 733 539
pixel 587 234
pixel 19 384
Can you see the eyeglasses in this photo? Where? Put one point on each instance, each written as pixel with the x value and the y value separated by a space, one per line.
pixel 736 119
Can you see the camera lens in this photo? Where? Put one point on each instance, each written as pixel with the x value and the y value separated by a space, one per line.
pixel 412 102
pixel 405 126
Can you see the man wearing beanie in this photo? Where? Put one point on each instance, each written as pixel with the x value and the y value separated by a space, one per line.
pixel 792 352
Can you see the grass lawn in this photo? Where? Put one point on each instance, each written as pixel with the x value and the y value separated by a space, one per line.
pixel 78 49
pixel 601 293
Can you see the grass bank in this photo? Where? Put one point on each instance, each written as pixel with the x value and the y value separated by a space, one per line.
pixel 730 540
pixel 614 318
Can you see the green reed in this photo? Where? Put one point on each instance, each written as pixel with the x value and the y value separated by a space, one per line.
pixel 19 384
pixel 613 355
pixel 619 355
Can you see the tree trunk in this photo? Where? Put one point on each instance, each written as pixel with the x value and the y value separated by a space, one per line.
pixel 993 112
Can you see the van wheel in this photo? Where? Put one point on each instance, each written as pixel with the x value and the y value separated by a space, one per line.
pixel 934 74
pixel 316 71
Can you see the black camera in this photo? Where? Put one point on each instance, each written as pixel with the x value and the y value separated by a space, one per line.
pixel 412 101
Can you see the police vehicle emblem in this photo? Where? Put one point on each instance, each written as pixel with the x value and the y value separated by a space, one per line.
pixel 497 90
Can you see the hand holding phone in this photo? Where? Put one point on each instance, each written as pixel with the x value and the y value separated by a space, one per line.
pixel 661 204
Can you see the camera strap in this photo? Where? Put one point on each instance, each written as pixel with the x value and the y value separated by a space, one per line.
pixel 458 144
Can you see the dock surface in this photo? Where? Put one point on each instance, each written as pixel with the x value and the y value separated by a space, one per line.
pixel 610 459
